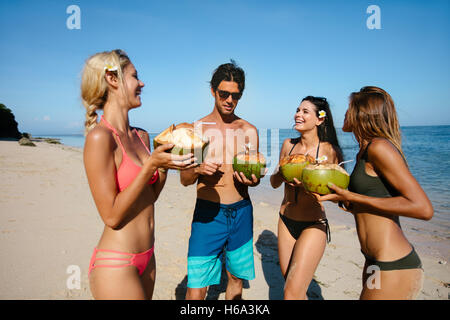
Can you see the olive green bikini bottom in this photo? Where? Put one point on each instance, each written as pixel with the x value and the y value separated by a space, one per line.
pixel 410 261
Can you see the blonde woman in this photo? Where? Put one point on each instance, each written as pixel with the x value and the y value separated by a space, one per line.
pixel 123 177
pixel 381 190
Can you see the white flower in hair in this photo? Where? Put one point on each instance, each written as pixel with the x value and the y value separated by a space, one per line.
pixel 109 67
pixel 322 114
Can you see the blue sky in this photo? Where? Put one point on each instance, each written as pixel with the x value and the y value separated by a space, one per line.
pixel 288 49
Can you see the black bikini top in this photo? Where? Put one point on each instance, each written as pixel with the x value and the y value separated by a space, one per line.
pixel 297 140
pixel 362 183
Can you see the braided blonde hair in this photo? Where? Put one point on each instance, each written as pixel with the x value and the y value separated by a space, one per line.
pixel 94 88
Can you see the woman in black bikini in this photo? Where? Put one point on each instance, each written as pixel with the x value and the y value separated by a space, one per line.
pixel 303 228
pixel 382 189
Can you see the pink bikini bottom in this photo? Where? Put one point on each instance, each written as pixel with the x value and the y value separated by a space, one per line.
pixel 139 260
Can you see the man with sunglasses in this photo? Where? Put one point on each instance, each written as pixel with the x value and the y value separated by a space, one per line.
pixel 223 215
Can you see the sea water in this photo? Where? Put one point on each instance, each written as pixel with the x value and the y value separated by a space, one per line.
pixel 427 150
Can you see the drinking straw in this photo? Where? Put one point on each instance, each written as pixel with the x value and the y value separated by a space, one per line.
pixel 345 162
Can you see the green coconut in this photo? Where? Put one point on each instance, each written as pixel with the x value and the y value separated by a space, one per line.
pixel 185 140
pixel 250 162
pixel 292 166
pixel 315 177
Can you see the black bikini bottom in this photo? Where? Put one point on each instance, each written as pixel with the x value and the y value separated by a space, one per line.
pixel 296 228
pixel 410 261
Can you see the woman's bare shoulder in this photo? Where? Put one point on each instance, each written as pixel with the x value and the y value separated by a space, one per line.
pixel 100 137
pixel 380 147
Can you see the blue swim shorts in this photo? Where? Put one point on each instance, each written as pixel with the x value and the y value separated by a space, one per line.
pixel 217 228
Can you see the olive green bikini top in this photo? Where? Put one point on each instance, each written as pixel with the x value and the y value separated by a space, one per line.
pixel 362 183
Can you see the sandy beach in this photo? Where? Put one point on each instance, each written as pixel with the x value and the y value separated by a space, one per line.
pixel 49 226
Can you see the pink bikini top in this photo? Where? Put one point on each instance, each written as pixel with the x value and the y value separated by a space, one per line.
pixel 128 170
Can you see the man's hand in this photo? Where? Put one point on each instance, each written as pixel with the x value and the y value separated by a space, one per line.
pixel 240 177
pixel 208 168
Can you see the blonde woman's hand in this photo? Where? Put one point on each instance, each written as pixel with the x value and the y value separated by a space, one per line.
pixel 162 159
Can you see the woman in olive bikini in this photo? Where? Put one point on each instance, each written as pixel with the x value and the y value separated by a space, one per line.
pixel 381 190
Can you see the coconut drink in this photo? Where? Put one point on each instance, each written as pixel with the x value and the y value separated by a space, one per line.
pixel 315 177
pixel 184 138
pixel 292 166
pixel 250 162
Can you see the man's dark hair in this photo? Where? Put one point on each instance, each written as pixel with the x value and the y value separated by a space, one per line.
pixel 228 72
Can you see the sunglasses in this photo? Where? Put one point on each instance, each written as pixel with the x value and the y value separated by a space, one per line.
pixel 226 94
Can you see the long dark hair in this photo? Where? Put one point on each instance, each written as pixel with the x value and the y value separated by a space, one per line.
pixel 325 131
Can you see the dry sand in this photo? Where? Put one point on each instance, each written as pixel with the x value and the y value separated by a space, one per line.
pixel 49 226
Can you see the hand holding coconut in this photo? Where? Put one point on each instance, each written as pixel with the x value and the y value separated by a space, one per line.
pixel 339 195
pixel 291 168
pixel 249 167
pixel 312 174
pixel 179 143
pixel 318 177
pixel 240 177
pixel 184 139
pixel 295 183
pixel 160 158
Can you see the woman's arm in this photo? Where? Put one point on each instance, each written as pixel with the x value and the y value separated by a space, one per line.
pixel 388 163
pixel 188 177
pixel 114 206
pixel 162 174
pixel 160 183
pixel 276 179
